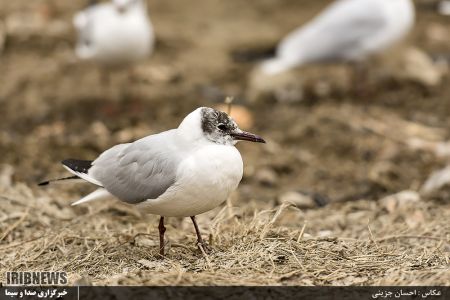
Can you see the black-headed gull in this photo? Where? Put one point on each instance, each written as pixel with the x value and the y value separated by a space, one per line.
pixel 348 30
pixel 114 33
pixel 180 172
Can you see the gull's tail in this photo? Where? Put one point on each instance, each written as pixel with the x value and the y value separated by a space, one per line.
pixel 80 169
pixel 98 194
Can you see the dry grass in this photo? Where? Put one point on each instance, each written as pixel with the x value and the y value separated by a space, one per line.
pixel 109 243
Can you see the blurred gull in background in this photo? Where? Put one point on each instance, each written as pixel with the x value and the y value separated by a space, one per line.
pixel 348 30
pixel 114 33
pixel 444 7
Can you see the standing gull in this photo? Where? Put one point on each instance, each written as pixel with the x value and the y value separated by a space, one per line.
pixel 114 33
pixel 347 30
pixel 180 172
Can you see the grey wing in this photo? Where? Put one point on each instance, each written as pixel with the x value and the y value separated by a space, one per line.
pixel 339 32
pixel 138 171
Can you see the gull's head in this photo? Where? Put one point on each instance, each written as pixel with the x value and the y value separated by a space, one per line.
pixel 216 126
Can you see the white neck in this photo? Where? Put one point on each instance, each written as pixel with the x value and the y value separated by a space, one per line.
pixel 190 128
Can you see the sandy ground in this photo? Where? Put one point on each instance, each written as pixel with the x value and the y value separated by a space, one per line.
pixel 351 153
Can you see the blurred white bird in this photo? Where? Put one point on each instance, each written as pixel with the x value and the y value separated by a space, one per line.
pixel 348 30
pixel 444 7
pixel 114 33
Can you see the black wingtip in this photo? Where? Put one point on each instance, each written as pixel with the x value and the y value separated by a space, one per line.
pixel 78 165
pixel 43 183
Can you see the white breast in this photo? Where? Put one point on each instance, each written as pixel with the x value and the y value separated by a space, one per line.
pixel 205 179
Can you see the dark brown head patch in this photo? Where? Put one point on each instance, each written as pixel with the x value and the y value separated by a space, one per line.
pixel 213 119
pixel 217 125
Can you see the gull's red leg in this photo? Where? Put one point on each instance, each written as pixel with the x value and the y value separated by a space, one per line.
pixel 199 236
pixel 162 230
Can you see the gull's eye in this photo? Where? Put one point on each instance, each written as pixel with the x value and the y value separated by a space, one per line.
pixel 222 127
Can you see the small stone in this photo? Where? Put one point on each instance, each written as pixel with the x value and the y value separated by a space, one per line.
pixel 442 149
pixel 266 177
pixel 383 173
pixel 143 241
pixel 100 132
pixel 298 199
pixel 285 87
pixel 6 175
pixel 400 200
pixel 132 133
pixel 415 219
pixel 307 236
pixel 24 24
pixel 390 204
pixel 156 73
pixel 438 33
pixel 149 264
pixel 414 65
pixel 249 171
pixel 325 233
pixel 438 180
